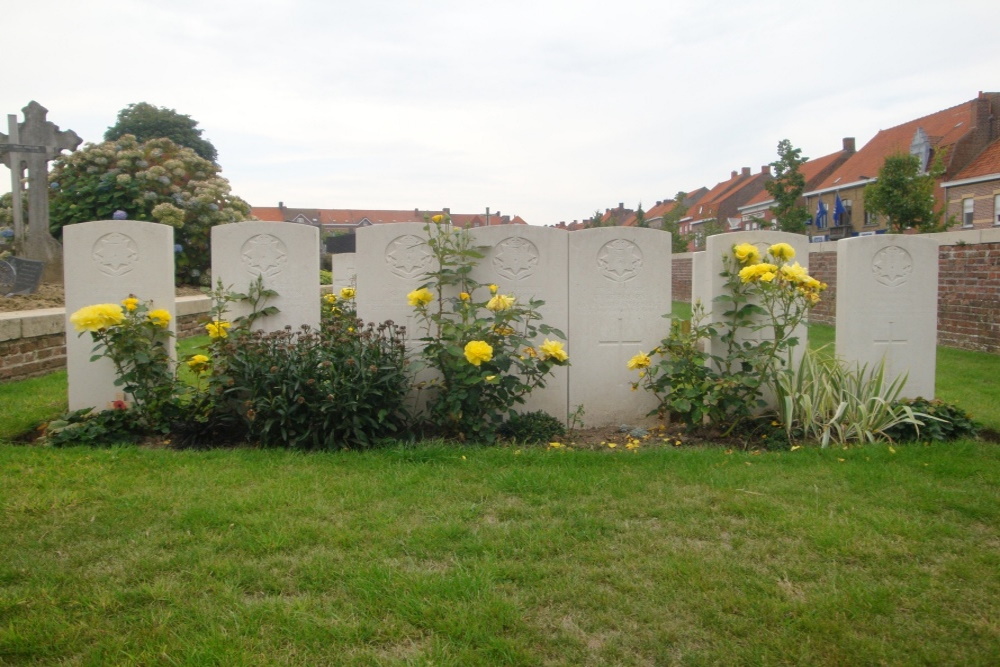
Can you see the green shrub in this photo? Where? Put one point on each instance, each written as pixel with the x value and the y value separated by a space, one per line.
pixel 341 386
pixel 947 422
pixel 85 427
pixel 532 428
pixel 325 277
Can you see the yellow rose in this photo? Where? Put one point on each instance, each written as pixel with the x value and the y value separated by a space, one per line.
pixel 464 296
pixel 553 349
pixel 131 303
pixel 493 288
pixel 347 293
pixel 500 302
pixel 198 363
pixel 97 317
pixel 767 276
pixel 746 253
pixel 478 351
pixel 640 360
pixel 420 297
pixel 794 273
pixel 330 298
pixel 782 251
pixel 437 218
pixel 218 329
pixel 160 317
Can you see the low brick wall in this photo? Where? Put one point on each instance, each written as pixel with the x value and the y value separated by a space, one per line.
pixel 968 287
pixel 33 343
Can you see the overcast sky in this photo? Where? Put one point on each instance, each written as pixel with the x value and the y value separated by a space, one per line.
pixel 543 109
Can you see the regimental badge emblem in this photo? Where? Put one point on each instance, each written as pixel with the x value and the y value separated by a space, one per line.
pixel 619 260
pixel 115 254
pixel 892 266
pixel 515 258
pixel 264 255
pixel 408 256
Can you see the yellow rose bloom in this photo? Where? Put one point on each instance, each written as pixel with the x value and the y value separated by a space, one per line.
pixel 493 288
pixel 782 251
pixel 500 302
pixel 478 351
pixel 464 296
pixel 420 297
pixel 640 360
pixel 330 298
pixel 160 317
pixel 767 276
pixel 437 218
pixel 746 253
pixel 218 329
pixel 198 363
pixel 347 293
pixel 131 303
pixel 97 317
pixel 794 273
pixel 553 349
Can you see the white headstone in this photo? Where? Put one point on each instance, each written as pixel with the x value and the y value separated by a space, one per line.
pixel 722 244
pixel 345 274
pixel 887 306
pixel 105 262
pixel 530 263
pixel 619 290
pixel 284 254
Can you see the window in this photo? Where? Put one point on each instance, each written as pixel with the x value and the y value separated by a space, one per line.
pixel 845 219
pixel 996 210
pixel 967 207
pixel 870 219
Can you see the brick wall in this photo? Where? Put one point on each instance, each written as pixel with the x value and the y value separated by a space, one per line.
pixel 968 292
pixel 823 267
pixel 24 358
pixel 681 284
pixel 969 296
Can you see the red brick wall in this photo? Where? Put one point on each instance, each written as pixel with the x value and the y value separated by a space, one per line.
pixel 681 284
pixel 969 296
pixel 983 213
pixel 23 358
pixel 823 267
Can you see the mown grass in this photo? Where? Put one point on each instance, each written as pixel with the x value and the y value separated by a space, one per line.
pixel 468 556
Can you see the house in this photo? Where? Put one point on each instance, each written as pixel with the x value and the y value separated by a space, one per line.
pixel 758 212
pixel 348 220
pixel 654 216
pixel 973 197
pixel 955 136
pixel 719 207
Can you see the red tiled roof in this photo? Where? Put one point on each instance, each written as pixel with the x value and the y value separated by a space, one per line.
pixel 354 217
pixel 809 170
pixel 943 129
pixel 267 213
pixel 987 163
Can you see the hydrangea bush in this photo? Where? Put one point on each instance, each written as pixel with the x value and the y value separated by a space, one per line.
pixel 155 181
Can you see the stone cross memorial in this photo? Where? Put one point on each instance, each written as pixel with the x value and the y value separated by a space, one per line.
pixel 32 145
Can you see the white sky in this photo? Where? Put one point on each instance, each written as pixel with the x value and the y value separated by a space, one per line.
pixel 544 109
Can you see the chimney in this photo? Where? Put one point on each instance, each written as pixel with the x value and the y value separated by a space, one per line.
pixel 621 205
pixel 506 219
pixel 734 174
pixel 746 171
pixel 766 169
pixel 659 201
pixel 416 213
pixel 281 206
pixel 849 144
pixel 447 211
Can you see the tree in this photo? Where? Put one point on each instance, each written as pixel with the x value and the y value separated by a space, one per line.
pixel 671 223
pixel 640 217
pixel 904 195
pixel 145 121
pixel 787 187
pixel 154 181
pixel 596 221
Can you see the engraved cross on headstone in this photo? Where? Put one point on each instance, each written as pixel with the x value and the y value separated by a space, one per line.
pixel 885 338
pixel 33 134
pixel 620 341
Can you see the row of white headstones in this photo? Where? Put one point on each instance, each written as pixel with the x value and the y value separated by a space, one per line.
pixel 607 289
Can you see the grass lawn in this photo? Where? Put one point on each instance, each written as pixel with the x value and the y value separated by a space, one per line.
pixel 465 556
